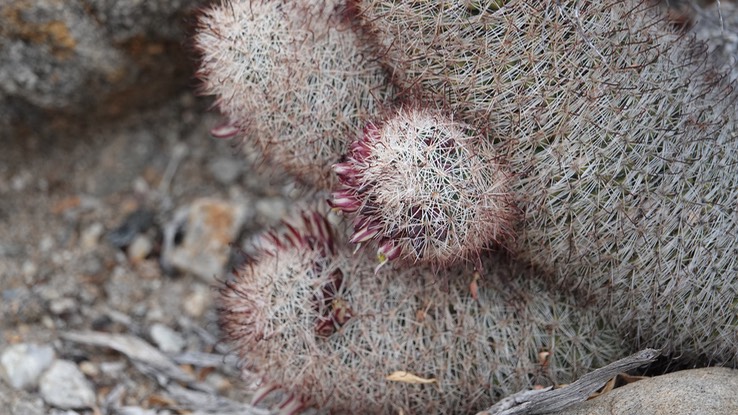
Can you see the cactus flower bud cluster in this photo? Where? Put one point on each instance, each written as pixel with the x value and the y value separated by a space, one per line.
pixel 424 187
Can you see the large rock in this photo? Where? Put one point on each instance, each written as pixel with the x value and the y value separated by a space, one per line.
pixel 21 365
pixel 104 56
pixel 64 386
pixel 211 226
pixel 710 391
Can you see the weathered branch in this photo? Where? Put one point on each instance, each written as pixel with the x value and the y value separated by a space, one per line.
pixel 551 400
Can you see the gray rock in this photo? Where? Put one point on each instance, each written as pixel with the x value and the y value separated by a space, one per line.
pixel 52 51
pixel 16 402
pixel 210 227
pixel 710 391
pixel 23 364
pixel 79 56
pixel 717 25
pixel 168 340
pixel 152 18
pixel 65 387
pixel 225 170
pixel 271 210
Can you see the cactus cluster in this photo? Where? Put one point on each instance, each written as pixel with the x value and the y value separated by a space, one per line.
pixel 594 141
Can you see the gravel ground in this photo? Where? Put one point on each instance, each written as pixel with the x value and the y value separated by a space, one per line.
pixel 97 313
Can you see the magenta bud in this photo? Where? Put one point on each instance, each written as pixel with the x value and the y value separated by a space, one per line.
pixel 224 131
pixel 371 132
pixel 364 234
pixel 360 221
pixel 345 201
pixel 360 151
pixel 343 169
pixel 388 251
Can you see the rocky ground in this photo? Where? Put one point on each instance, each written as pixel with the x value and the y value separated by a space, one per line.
pixel 107 298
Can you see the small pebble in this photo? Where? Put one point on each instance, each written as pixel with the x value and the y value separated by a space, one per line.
pixel 29 269
pixel 271 209
pixel 134 410
pixel 46 244
pixel 89 369
pixel 64 386
pixel 23 364
pixel 225 170
pixel 140 186
pixel 113 369
pixel 219 382
pixel 91 236
pixel 197 302
pixel 21 180
pixel 63 305
pixel 140 248
pixel 168 340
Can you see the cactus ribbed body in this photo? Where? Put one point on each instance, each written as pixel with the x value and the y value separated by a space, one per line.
pixel 297 78
pixel 313 318
pixel 624 143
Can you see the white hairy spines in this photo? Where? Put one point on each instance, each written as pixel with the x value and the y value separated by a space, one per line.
pixel 426 188
pixel 296 78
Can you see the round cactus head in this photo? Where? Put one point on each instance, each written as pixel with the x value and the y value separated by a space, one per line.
pixel 295 78
pixel 425 188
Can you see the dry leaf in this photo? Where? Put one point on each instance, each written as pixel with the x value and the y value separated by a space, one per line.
pixel 407 377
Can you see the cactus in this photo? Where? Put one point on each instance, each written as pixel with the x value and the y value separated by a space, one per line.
pixel 623 141
pixel 297 78
pixel 602 150
pixel 308 316
pixel 426 188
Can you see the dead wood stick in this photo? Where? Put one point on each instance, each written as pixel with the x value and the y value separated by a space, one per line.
pixel 552 400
